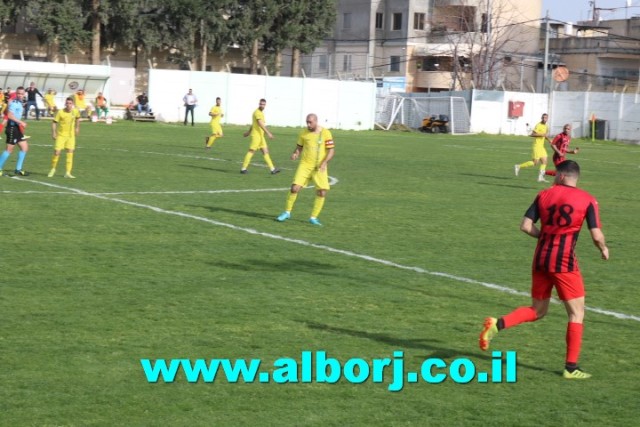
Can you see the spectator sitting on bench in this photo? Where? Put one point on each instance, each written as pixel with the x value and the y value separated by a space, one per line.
pixel 50 102
pixel 81 103
pixel 101 105
pixel 143 103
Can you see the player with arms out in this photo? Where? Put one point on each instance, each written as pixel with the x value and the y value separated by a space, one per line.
pixel 560 146
pixel 315 143
pixel 561 209
pixel 64 129
pixel 216 128
pixel 538 152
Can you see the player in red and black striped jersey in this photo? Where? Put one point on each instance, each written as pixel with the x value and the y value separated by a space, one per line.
pixel 561 210
pixel 560 146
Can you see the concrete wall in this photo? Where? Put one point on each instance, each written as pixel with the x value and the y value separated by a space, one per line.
pixel 338 104
pixel 489 111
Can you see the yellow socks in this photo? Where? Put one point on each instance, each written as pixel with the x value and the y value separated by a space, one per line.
pixel 291 199
pixel 69 163
pixel 54 161
pixel 267 160
pixel 247 160
pixel 527 164
pixel 318 203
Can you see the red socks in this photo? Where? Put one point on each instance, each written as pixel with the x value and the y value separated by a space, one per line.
pixel 519 315
pixel 574 341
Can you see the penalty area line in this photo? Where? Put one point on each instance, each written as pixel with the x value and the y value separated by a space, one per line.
pixel 301 242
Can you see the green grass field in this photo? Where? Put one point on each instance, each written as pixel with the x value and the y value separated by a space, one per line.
pixel 160 249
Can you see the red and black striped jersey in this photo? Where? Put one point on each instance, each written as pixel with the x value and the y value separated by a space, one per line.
pixel 561 210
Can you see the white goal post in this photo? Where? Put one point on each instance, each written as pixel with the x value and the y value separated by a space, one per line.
pixel 409 111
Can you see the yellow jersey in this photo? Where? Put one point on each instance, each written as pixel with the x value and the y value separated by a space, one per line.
pixel 49 99
pixel 315 145
pixel 78 99
pixel 256 130
pixel 217 111
pixel 540 129
pixel 66 122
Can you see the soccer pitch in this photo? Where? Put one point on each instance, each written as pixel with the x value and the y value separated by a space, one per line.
pixel 163 250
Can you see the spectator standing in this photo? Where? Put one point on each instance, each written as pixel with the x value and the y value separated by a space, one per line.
pixel 32 91
pixel 190 102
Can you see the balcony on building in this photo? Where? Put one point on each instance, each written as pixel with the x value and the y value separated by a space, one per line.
pixel 437 74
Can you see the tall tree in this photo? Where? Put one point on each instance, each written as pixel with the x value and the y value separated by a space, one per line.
pixel 249 23
pixel 286 26
pixel 58 21
pixel 317 23
pixel 8 12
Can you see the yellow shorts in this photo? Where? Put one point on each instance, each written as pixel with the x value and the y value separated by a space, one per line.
pixel 65 143
pixel 258 142
pixel 216 129
pixel 538 152
pixel 307 172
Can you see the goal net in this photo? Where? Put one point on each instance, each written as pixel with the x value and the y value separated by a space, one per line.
pixel 409 111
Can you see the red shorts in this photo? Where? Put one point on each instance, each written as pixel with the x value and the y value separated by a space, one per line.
pixel 568 285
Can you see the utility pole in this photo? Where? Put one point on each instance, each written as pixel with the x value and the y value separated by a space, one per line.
pixel 545 73
pixel 487 66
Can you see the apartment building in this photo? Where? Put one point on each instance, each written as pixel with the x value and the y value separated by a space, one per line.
pixel 433 45
pixel 599 55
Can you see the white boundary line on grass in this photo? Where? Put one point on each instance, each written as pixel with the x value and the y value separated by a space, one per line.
pixel 321 247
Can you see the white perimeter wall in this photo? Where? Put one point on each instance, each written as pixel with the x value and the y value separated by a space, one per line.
pixel 490 112
pixel 338 104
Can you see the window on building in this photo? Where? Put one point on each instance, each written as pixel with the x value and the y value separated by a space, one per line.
pixel 418 21
pixel 322 62
pixel 484 26
pixel 379 21
pixel 397 22
pixel 467 19
pixel 394 63
pixel 346 63
pixel 240 70
pixel 437 63
pixel 346 21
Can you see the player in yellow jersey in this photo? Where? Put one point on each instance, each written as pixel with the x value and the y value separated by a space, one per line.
pixel 315 143
pixel 64 129
pixel 539 153
pixel 3 102
pixel 50 102
pixel 81 103
pixel 216 128
pixel 258 141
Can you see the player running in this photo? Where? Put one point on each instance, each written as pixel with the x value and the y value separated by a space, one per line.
pixel 538 152
pixel 561 209
pixel 560 146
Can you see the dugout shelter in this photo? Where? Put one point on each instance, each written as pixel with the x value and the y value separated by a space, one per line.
pixel 64 79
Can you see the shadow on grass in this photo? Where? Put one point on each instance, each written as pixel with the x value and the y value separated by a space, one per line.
pixel 236 212
pixel 436 350
pixel 477 175
pixel 289 265
pixel 211 169
pixel 501 178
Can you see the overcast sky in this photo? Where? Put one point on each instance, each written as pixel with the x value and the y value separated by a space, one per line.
pixel 580 10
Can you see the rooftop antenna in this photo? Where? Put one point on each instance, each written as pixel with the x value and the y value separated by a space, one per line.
pixel 595 12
